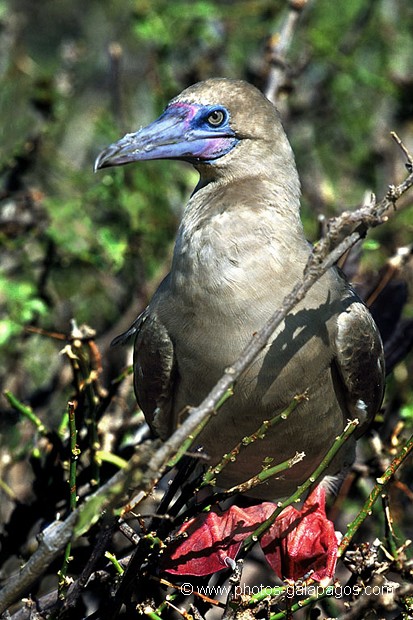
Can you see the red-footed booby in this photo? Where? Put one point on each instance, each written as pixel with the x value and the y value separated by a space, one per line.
pixel 239 250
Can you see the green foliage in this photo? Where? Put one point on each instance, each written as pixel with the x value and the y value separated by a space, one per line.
pixel 352 54
pixel 21 306
pixel 406 414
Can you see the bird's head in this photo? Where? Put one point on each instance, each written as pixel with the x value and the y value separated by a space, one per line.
pixel 210 124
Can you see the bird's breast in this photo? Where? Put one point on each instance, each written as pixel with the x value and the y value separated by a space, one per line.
pixel 227 261
pixel 229 275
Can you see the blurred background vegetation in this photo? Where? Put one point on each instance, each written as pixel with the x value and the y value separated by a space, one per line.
pixel 76 75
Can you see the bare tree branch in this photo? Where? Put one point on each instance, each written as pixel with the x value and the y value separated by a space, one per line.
pixel 278 47
pixel 51 542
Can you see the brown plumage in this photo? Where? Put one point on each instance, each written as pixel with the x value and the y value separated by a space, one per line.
pixel 240 249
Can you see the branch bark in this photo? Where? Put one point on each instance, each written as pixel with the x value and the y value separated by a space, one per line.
pixel 279 45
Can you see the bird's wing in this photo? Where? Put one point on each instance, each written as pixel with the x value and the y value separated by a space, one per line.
pixel 132 331
pixel 154 373
pixel 360 361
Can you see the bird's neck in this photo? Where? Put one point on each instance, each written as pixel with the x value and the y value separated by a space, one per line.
pixel 254 174
pixel 238 231
pixel 251 193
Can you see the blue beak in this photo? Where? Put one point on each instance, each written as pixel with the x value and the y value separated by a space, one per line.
pixel 176 134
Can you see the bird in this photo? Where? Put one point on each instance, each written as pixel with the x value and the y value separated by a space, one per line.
pixel 240 248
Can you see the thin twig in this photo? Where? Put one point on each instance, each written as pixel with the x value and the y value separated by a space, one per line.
pixel 27 412
pixel 51 542
pixel 56 536
pixel 296 496
pixel 191 438
pixel 406 151
pixel 279 45
pixel 265 475
pixel 374 495
pixel 230 457
pixel 74 455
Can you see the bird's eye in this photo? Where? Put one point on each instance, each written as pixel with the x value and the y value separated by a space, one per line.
pixel 216 118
